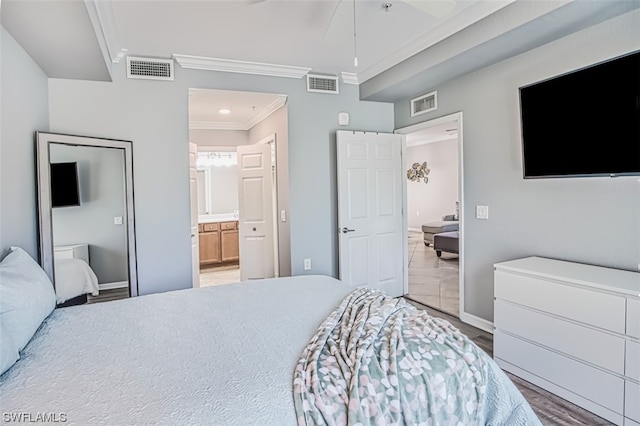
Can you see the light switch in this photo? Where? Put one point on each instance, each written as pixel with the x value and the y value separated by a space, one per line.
pixel 343 118
pixel 283 215
pixel 117 220
pixel 482 212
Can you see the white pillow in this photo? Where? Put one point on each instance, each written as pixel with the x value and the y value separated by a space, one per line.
pixel 27 296
pixel 8 350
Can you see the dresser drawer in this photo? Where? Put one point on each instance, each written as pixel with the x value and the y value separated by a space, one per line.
pixel 596 347
pixel 208 227
pixel 228 225
pixel 632 400
pixel 633 317
pixel 595 308
pixel 588 382
pixel 632 369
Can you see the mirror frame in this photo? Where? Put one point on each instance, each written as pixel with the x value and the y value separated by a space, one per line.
pixel 44 210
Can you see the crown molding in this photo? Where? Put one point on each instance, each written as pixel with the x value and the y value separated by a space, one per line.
pixel 465 18
pixel 267 111
pixel 222 125
pixel 349 78
pixel 216 125
pixel 104 25
pixel 242 67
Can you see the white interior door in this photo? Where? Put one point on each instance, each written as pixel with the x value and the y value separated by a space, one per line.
pixel 370 217
pixel 255 212
pixel 193 190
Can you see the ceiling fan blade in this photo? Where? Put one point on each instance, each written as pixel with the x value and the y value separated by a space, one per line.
pixel 436 8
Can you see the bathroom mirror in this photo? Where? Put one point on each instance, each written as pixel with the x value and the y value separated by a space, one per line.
pixel 86 217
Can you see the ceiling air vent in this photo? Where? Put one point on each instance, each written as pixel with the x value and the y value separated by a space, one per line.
pixel 424 103
pixel 322 83
pixel 149 68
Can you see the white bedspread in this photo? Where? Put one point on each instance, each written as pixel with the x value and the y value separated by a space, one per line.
pixel 220 355
pixel 74 277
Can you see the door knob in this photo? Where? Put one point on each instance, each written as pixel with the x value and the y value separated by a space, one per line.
pixel 345 230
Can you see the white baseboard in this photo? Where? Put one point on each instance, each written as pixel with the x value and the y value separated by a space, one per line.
pixel 477 322
pixel 415 230
pixel 115 284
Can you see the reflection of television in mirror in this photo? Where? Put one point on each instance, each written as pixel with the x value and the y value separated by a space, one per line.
pixel 64 185
pixel 584 123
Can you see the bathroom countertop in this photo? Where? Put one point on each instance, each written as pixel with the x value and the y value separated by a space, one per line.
pixel 213 218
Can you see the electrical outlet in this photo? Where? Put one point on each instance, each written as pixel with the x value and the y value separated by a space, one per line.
pixel 283 215
pixel 117 220
pixel 307 264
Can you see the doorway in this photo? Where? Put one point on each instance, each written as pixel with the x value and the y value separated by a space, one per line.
pixel 225 126
pixel 433 153
pixel 218 213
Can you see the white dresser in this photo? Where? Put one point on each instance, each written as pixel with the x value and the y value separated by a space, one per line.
pixel 572 329
pixel 72 251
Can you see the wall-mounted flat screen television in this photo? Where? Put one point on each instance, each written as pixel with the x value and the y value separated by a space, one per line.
pixel 64 185
pixel 585 123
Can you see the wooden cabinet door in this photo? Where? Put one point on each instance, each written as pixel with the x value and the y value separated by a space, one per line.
pixel 229 244
pixel 210 247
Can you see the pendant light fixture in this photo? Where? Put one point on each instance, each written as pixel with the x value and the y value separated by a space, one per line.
pixel 355 38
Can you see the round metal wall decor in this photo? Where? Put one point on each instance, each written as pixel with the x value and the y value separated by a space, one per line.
pixel 418 172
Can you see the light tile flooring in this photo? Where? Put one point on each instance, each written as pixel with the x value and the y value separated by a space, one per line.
pixel 433 281
pixel 219 275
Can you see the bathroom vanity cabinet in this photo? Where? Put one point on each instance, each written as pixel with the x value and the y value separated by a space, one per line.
pixel 218 242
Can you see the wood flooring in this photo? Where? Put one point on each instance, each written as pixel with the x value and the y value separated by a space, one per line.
pixel 550 409
pixel 109 295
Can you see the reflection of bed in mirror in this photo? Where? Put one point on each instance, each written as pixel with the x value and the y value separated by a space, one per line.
pixel 74 277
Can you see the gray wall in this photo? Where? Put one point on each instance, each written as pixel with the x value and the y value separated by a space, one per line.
pixel 587 220
pixel 438 197
pixel 101 182
pixel 153 114
pixel 24 110
pixel 278 124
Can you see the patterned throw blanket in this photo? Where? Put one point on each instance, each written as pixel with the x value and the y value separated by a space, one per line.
pixel 380 361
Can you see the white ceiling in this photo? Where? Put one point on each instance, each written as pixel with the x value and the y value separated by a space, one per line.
pixel 421 42
pixel 441 132
pixel 58 35
pixel 247 108
pixel 315 34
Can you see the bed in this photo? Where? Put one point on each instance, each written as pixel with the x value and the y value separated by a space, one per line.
pixel 222 355
pixel 74 277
